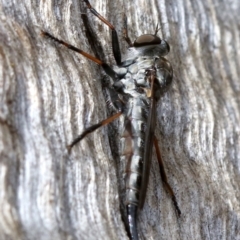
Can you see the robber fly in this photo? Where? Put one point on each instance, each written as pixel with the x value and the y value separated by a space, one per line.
pixel 139 81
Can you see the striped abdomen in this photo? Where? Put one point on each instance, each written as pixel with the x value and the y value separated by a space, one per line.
pixel 133 148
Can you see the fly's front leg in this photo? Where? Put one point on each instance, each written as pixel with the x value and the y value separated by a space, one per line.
pixel 115 42
pixel 164 177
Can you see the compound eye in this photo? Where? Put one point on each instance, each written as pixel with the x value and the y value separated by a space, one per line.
pixel 146 39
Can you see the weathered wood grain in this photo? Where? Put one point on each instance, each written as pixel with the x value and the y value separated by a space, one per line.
pixel 48 95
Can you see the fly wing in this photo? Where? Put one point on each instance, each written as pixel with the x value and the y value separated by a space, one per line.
pixel 148 146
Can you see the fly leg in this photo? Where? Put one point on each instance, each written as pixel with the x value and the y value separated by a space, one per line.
pixel 115 42
pixel 109 71
pixel 92 129
pixel 164 177
pixel 115 101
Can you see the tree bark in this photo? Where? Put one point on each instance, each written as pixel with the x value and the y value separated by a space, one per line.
pixel 49 95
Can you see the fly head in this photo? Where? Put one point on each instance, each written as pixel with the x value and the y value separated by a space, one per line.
pixel 150 41
pixel 146 40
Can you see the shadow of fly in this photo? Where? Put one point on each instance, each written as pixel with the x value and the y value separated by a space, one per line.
pixel 139 81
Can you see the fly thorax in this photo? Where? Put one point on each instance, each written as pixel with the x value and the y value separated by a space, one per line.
pixel 134 81
pixel 155 50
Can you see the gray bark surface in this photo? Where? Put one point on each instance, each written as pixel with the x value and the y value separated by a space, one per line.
pixel 49 95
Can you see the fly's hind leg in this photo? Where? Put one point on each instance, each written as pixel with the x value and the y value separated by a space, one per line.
pixel 164 177
pixel 92 129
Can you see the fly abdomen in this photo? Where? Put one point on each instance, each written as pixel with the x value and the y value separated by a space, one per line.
pixel 134 166
pixel 133 179
pixel 132 195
